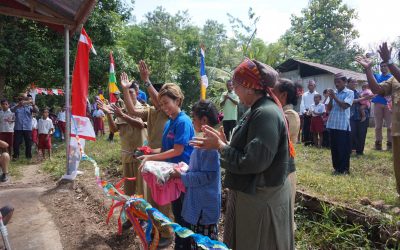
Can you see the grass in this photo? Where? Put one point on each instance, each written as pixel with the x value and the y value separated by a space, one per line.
pixel 17 167
pixel 329 231
pixel 371 175
pixel 106 154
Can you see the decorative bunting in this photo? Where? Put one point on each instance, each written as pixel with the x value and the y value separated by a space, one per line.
pixel 44 91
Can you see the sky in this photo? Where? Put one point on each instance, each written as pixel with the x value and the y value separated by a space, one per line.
pixel 377 20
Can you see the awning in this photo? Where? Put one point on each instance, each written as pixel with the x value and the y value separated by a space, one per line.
pixel 56 14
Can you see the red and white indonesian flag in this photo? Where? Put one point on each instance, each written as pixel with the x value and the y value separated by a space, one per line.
pixel 80 124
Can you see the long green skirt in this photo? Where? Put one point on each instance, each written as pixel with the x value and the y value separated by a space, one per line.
pixel 260 221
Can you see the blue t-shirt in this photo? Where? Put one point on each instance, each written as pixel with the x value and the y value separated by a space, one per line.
pixel 178 131
pixel 142 96
pixel 381 78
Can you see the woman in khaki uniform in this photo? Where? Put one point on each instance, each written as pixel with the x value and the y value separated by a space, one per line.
pixel 156 120
pixel 132 135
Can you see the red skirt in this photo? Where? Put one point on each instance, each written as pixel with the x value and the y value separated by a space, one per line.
pixel 317 124
pixel 61 125
pixel 98 124
pixel 44 141
pixel 9 138
pixel 35 136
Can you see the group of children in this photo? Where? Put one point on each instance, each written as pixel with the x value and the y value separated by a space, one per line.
pixel 319 114
pixel 42 129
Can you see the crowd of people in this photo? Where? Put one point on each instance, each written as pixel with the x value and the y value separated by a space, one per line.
pixel 19 123
pixel 254 146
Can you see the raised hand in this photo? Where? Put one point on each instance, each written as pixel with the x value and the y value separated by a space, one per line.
pixel 144 71
pixel 106 109
pixel 385 52
pixel 125 83
pixel 364 61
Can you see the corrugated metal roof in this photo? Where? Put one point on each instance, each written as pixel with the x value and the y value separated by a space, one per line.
pixel 292 64
pixel 53 13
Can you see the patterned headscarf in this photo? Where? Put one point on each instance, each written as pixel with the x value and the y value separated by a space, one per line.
pixel 253 74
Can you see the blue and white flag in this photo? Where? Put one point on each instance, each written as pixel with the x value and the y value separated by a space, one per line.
pixel 204 79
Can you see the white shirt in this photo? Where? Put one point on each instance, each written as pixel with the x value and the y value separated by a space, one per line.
pixel 230 109
pixel 44 126
pixel 320 109
pixel 98 113
pixel 327 100
pixel 306 101
pixel 7 121
pixel 34 123
pixel 61 116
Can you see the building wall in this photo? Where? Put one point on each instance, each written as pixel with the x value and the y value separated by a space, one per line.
pixel 324 81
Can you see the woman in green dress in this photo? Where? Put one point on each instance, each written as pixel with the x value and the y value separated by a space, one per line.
pixel 259 211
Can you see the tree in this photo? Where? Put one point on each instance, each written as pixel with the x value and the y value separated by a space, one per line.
pixel 170 46
pixel 324 33
pixel 30 52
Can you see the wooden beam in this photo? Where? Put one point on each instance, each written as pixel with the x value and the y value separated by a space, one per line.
pixel 34 16
pixel 39 7
pixel 82 14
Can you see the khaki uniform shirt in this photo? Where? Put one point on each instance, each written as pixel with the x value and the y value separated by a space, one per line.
pixel 392 87
pixel 156 120
pixel 293 120
pixel 131 138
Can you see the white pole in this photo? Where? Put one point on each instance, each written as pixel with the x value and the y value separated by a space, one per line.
pixel 67 97
pixel 4 233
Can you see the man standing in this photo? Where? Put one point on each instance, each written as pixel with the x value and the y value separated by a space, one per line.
pixel 6 125
pixel 306 101
pixel 229 102
pixel 358 127
pixel 23 125
pixel 339 125
pixel 382 111
pixel 389 87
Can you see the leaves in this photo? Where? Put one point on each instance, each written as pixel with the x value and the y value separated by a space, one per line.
pixel 324 33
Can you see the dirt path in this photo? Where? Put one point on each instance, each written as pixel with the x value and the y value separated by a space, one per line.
pixel 66 216
pixel 32 226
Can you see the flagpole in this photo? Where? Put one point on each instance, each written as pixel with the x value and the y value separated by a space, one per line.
pixel 67 98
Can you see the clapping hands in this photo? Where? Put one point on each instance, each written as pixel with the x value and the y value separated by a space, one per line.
pixel 106 108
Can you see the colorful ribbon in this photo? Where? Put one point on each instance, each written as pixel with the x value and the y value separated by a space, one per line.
pixel 136 208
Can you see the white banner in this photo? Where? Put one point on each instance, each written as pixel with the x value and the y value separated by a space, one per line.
pixel 74 158
pixel 81 125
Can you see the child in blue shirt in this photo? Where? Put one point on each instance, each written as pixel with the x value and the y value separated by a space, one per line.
pixel 202 201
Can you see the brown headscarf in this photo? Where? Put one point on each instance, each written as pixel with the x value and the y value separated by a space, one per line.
pixel 253 74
